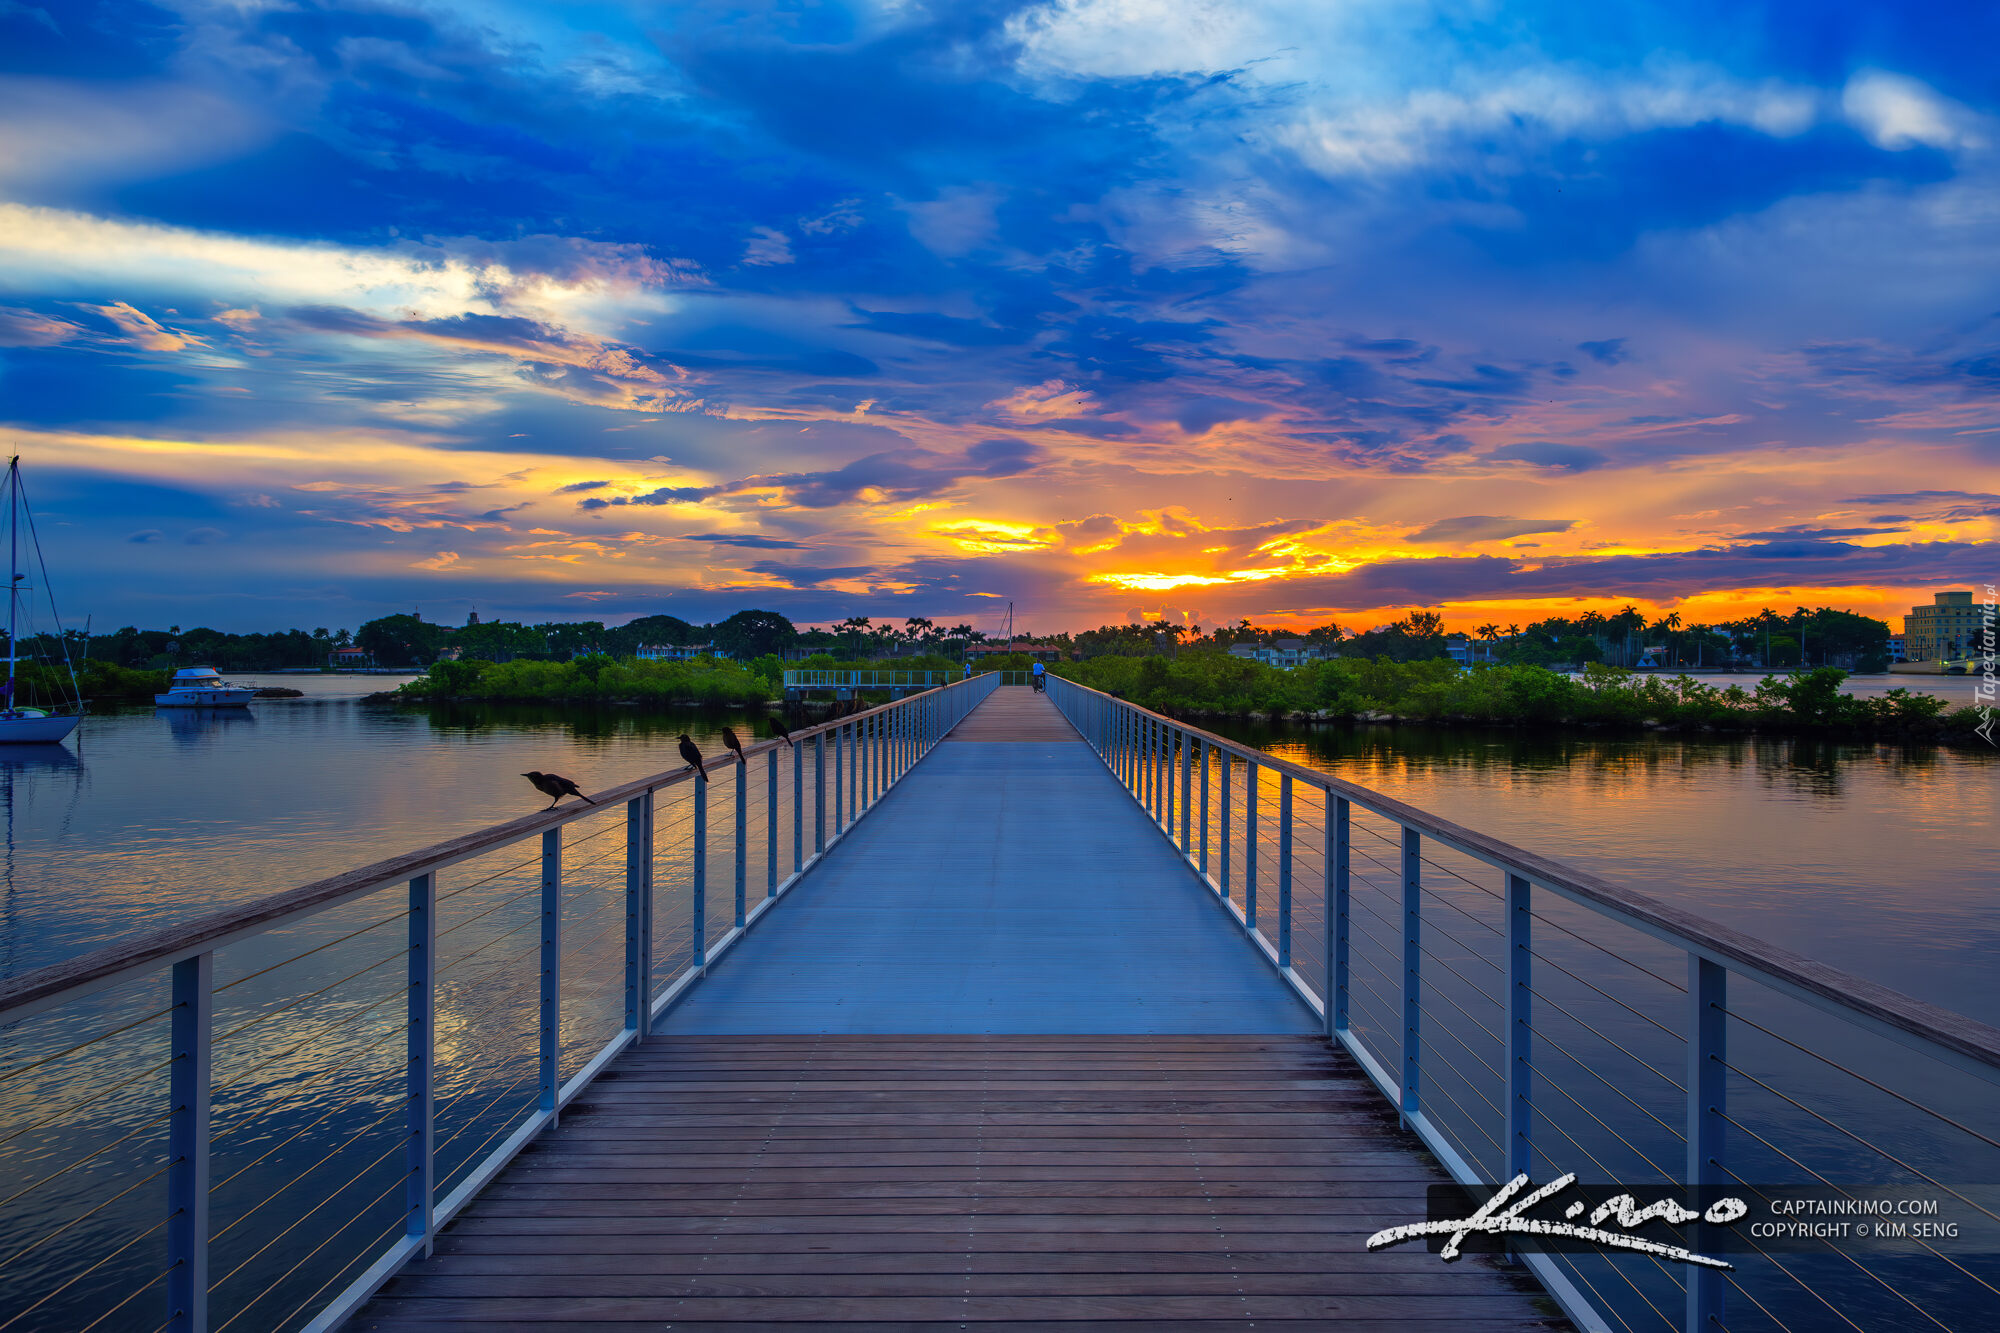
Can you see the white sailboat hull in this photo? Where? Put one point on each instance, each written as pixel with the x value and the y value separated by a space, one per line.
pixel 32 727
pixel 226 696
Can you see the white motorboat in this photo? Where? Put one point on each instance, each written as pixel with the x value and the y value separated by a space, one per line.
pixel 21 724
pixel 203 687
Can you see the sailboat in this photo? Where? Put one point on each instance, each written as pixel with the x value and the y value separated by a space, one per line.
pixel 19 724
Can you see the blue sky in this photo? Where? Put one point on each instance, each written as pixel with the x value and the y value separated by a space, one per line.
pixel 1112 308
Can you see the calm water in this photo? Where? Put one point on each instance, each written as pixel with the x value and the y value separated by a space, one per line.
pixel 158 816
pixel 1879 860
pixel 1876 860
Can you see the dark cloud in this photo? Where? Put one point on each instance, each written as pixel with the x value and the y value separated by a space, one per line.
pixel 578 486
pixel 1609 351
pixel 1949 506
pixel 1549 453
pixel 1805 564
pixel 1488 528
pixel 1801 530
pixel 897 476
pixel 748 540
pixel 1199 415
pixel 810 576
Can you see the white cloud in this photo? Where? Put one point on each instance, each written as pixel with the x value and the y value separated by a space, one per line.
pixel 1135 38
pixel 579 284
pixel 958 221
pixel 768 245
pixel 143 330
pixel 1897 112
pixel 1341 138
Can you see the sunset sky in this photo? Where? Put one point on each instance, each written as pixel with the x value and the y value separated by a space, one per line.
pixel 1113 308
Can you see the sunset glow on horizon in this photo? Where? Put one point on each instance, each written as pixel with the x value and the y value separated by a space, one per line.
pixel 1110 309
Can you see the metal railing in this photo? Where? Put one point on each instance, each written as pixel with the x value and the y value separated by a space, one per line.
pixel 255 1119
pixel 1527 1018
pixel 865 680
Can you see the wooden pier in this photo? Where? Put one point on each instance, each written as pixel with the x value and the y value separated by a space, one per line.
pixel 1001 1060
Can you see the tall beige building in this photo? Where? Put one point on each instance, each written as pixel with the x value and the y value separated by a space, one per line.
pixel 1949 627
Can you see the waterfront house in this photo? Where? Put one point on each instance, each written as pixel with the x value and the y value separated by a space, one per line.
pixel 674 652
pixel 1285 653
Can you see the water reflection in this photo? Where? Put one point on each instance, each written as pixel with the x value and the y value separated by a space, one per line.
pixel 1871 858
pixel 203 726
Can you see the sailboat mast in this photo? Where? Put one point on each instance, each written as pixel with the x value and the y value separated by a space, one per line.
pixel 14 568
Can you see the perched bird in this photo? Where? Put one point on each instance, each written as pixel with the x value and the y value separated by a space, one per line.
pixel 781 731
pixel 557 786
pixel 693 755
pixel 729 739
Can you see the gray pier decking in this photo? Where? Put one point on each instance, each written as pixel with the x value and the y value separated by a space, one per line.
pixel 999 1060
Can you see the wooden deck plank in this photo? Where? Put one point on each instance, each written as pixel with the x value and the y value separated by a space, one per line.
pixel 1154 1224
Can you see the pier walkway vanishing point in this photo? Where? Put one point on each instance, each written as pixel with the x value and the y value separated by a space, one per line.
pixel 977 1009
pixel 1001 1058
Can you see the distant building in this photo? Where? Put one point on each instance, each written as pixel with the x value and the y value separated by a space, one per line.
pixel 1285 653
pixel 1947 628
pixel 1897 652
pixel 347 659
pixel 1458 648
pixel 674 652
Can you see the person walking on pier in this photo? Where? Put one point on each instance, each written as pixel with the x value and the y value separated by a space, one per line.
pixel 1041 685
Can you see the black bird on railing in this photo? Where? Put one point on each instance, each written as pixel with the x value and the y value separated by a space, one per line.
pixel 729 739
pixel 693 756
pixel 781 731
pixel 557 786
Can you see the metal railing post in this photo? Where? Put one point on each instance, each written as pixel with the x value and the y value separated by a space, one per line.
pixel 551 990
pixel 1520 1054
pixel 1187 778
pixel 1412 957
pixel 819 792
pixel 698 894
pixel 798 809
pixel 839 787
pixel 1157 767
pixel 1206 753
pixel 742 840
pixel 1708 996
pixel 1285 870
pixel 419 1081
pixel 1250 843
pixel 639 910
pixel 1339 848
pixel 771 826
pixel 1222 828
pixel 192 1034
